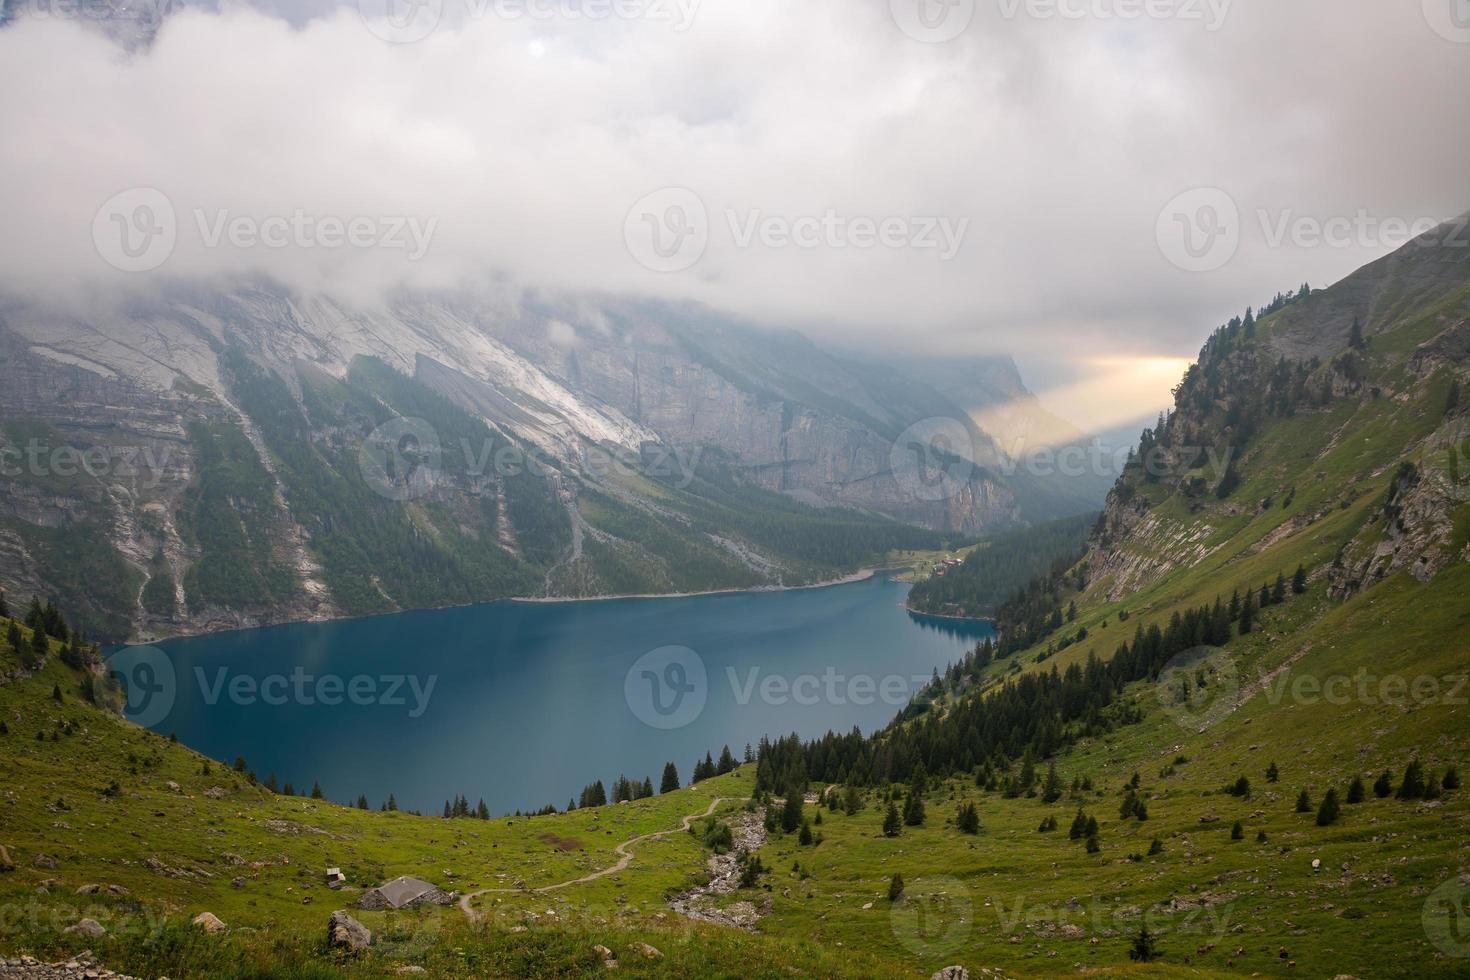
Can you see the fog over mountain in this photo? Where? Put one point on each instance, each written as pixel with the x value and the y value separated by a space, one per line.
pixel 513 151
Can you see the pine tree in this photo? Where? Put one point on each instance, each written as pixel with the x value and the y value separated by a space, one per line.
pixel 968 819
pixel 1248 614
pixel 13 637
pixel 4 609
pixel 1451 778
pixel 1079 826
pixel 1383 785
pixel 1299 580
pixel 1155 847
pixel 727 762
pixel 895 884
pixel 316 791
pixel 362 803
pixel 852 800
pixel 1278 591
pixel 1355 335
pixel 913 810
pixel 1412 788
pixel 1143 949
pixel 1303 802
pixel 791 810
pixel 1092 844
pixel 1052 790
pixel 670 781
pixel 1329 811
pixel 1237 831
pixel 270 782
pixel 805 837
pixel 392 803
pixel 1355 791
pixel 892 822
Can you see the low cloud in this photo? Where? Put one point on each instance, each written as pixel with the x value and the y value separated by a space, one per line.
pixel 523 144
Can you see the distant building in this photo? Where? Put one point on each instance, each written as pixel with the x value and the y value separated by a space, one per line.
pixel 404 892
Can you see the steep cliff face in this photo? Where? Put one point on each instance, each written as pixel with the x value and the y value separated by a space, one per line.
pixel 1335 415
pixel 229 431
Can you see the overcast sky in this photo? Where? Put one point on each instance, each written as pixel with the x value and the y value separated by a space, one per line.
pixel 846 167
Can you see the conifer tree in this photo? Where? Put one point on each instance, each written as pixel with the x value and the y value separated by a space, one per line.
pixel 1237 831
pixel 1329 811
pixel 727 762
pixel 1355 791
pixel 1303 802
pixel 1412 788
pixel 1143 949
pixel 1052 790
pixel 852 800
pixel 1451 778
pixel 892 822
pixel 392 803
pixel 968 819
pixel 895 885
pixel 670 781
pixel 1299 580
pixel 1383 785
pixel 362 803
pixel 791 810
pixel 913 810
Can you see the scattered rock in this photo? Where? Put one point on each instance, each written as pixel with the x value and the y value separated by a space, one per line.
pixel 45 861
pixel 90 928
pixel 6 864
pixel 410 970
pixel 648 951
pixel 952 973
pixel 608 959
pixel 209 922
pixel 173 786
pixel 215 792
pixel 344 930
pixel 237 882
pixel 89 889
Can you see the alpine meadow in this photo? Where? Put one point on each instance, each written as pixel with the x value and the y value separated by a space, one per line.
pixel 855 489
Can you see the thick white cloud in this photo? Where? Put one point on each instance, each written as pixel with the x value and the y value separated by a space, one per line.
pixel 527 141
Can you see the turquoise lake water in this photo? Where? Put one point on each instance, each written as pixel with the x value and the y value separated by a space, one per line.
pixel 524 703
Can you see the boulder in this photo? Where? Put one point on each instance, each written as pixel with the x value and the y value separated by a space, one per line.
pixel 651 952
pixel 209 922
pixel 89 889
pixel 90 928
pixel 6 864
pixel 45 861
pixel 346 932
pixel 952 973
pixel 608 959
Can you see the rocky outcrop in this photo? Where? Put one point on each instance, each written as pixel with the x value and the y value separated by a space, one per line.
pixel 345 932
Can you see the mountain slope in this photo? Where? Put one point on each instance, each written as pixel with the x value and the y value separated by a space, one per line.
pixel 217 458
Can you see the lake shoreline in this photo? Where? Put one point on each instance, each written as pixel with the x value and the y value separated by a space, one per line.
pixel 146 639
pixel 962 619
pixel 859 576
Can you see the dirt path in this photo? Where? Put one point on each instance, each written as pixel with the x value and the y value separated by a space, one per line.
pixel 623 850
